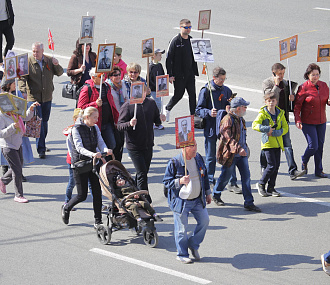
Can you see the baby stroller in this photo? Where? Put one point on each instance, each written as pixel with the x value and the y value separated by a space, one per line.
pixel 118 217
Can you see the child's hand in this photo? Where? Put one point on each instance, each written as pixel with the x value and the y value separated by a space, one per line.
pixel 16 125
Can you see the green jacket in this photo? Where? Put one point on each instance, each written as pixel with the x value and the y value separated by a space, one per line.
pixel 264 122
pixel 38 85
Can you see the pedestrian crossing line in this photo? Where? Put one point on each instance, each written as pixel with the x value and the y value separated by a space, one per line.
pixel 310 200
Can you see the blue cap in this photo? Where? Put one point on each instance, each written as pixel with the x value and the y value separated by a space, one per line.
pixel 238 101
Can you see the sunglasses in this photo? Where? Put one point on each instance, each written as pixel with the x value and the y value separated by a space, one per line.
pixel 188 27
pixel 133 72
pixel 115 75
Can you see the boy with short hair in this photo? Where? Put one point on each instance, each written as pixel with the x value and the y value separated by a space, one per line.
pixel 271 122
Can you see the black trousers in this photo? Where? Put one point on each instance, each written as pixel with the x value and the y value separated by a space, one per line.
pixel 180 85
pixel 82 190
pixel 7 31
pixel 118 150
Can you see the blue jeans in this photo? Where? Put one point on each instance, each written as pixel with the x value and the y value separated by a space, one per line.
pixel 273 157
pixel 71 185
pixel 327 257
pixel 43 112
pixel 314 135
pixel 108 135
pixel 158 100
pixel 182 241
pixel 242 164
pixel 210 160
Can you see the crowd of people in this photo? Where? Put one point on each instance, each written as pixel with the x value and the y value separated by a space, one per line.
pixel 103 122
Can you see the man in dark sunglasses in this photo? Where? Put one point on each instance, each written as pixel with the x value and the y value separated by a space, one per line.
pixel 182 68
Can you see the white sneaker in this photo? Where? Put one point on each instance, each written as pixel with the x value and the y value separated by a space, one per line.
pixel 21 199
pixel 167 113
pixel 326 269
pixel 184 260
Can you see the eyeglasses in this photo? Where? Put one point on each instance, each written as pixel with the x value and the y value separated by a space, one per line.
pixel 134 72
pixel 187 27
pixel 115 75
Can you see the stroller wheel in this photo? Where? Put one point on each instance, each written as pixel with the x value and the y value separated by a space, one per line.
pixel 103 234
pixel 150 237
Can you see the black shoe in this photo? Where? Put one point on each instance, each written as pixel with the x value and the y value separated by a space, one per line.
pixel 158 218
pixel 24 178
pixel 273 192
pixel 42 155
pixel 252 208
pixel 47 149
pixel 65 215
pixel 4 169
pixel 218 201
pixel 261 190
pixel 321 175
pixel 96 224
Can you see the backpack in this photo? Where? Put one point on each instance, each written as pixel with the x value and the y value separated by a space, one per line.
pixel 89 92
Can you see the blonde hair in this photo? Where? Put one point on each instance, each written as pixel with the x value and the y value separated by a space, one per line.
pixel 135 66
pixel 87 112
pixel 76 113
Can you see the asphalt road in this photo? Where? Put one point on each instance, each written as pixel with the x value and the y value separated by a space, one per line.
pixel 281 245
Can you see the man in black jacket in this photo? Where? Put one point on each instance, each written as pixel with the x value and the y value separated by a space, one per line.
pixel 182 68
pixel 6 25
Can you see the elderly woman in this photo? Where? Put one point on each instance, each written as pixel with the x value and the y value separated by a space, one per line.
pixel 90 97
pixel 85 139
pixel 310 116
pixel 133 72
pixel 77 69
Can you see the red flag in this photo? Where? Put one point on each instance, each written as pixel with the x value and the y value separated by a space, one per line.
pixel 50 40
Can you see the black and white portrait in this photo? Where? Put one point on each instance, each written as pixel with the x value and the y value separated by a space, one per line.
pixel 10 66
pixel 20 105
pixel 284 47
pixel 184 130
pixel 148 47
pixel 293 44
pixel 87 29
pixel 22 64
pixel 6 104
pixel 137 91
pixel 105 57
pixel 162 84
pixel 324 52
pixel 202 50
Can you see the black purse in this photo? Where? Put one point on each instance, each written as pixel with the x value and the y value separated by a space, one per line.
pixel 199 123
pixel 83 166
pixel 69 91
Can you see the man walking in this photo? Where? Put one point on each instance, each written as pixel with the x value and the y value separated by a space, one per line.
pixel 233 151
pixel 182 68
pixel 277 84
pixel 188 194
pixel 39 87
pixel 6 26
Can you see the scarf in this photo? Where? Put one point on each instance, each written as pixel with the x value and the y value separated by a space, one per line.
pixel 119 91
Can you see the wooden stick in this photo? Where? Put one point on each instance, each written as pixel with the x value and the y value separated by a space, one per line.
pixel 148 73
pixel 84 58
pixel 135 110
pixel 100 95
pixel 209 85
pixel 185 162
pixel 287 60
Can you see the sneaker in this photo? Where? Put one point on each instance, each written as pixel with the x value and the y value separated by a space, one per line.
pixel 96 224
pixel 42 155
pixel 21 199
pixel 297 174
pixel 161 127
pixel 158 218
pixel 326 269
pixel 195 253
pixel 261 190
pixel 155 127
pixel 235 188
pixel 3 187
pixel 184 260
pixel 65 215
pixel 273 192
pixel 167 113
pixel 218 201
pixel 252 208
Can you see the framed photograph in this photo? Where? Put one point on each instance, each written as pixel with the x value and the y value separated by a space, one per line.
pixel 105 54
pixel 6 103
pixel 202 50
pixel 323 53
pixel 204 19
pixel 87 29
pixel 21 105
pixel 162 85
pixel 137 93
pixel 184 131
pixel 288 47
pixel 10 67
pixel 23 64
pixel 148 47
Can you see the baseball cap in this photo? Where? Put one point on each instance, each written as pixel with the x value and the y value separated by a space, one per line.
pixel 162 51
pixel 238 101
pixel 118 50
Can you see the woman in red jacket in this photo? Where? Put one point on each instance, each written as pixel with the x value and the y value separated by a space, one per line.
pixel 310 117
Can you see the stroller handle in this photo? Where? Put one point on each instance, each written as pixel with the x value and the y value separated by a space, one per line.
pixel 104 154
pixel 140 192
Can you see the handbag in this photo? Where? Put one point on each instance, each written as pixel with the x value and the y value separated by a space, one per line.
pixel 69 91
pixel 33 127
pixel 199 123
pixel 83 166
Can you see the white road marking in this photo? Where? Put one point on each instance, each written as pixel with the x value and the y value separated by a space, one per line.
pixel 319 8
pixel 151 266
pixel 213 33
pixel 46 53
pixel 310 200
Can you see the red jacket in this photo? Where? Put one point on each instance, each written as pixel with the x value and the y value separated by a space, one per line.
pixel 310 103
pixel 84 101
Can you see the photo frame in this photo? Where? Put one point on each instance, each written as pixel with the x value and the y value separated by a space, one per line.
pixel 137 93
pixel 184 131
pixel 323 53
pixel 148 47
pixel 105 55
pixel 202 49
pixel 10 67
pixel 162 85
pixel 87 28
pixel 204 19
pixel 6 103
pixel 23 64
pixel 21 105
pixel 288 47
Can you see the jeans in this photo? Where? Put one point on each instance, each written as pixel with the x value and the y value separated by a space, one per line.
pixel 158 101
pixel 273 157
pixel 141 160
pixel 43 111
pixel 242 164
pixel 71 185
pixel 180 85
pixel 314 135
pixel 210 160
pixel 200 214
pixel 108 135
pixel 327 257
pixel 7 31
